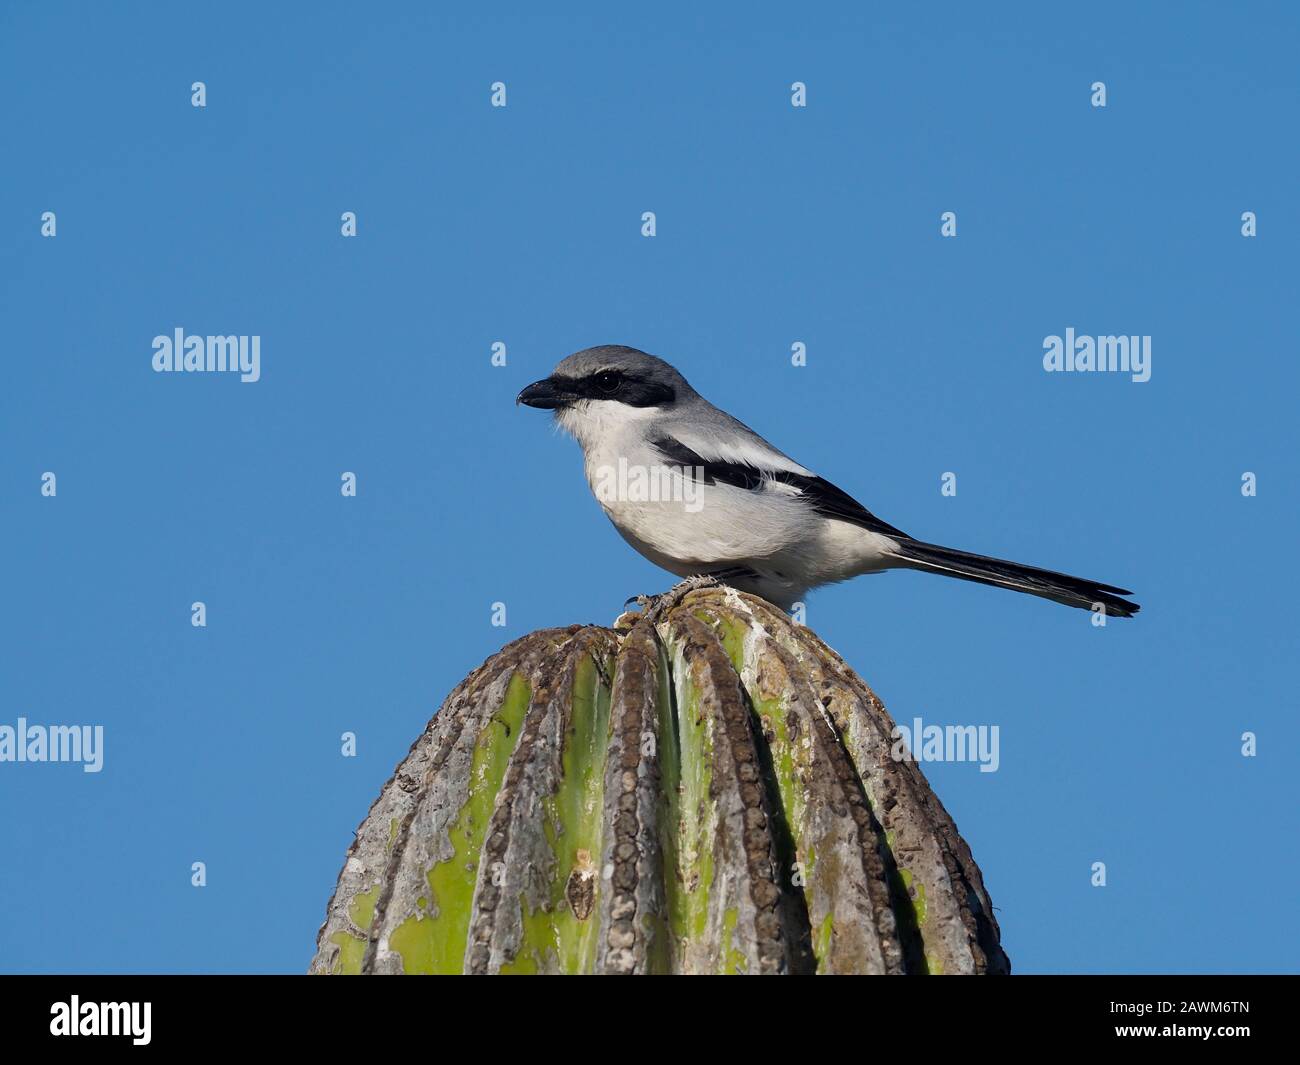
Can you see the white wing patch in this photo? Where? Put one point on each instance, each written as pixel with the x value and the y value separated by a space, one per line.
pixel 747 449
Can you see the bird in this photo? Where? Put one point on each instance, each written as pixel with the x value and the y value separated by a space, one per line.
pixel 703 496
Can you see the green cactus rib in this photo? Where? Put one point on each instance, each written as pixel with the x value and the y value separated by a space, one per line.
pixel 688 843
pixel 562 937
pixel 642 797
pixel 632 912
pixel 742 819
pixel 773 722
pixel 786 761
pixel 664 955
pixel 436 943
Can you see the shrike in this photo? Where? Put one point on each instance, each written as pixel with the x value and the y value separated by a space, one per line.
pixel 713 498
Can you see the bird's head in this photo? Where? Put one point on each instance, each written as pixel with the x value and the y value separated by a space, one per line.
pixel 598 388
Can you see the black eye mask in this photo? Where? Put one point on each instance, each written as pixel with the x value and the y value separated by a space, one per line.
pixel 624 388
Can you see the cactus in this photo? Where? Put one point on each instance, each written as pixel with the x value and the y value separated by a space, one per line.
pixel 704 789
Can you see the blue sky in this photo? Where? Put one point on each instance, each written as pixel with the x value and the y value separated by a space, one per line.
pixel 522 225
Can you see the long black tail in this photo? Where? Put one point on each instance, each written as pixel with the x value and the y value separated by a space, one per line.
pixel 1060 587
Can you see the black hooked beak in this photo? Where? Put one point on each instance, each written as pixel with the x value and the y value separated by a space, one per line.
pixel 548 395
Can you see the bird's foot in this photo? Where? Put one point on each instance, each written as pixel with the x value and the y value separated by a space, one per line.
pixel 698 580
pixel 657 606
pixel 654 607
pixel 628 618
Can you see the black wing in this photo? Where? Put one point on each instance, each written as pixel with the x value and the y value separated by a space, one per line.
pixel 825 498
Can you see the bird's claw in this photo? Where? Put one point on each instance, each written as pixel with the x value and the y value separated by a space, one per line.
pixel 656 606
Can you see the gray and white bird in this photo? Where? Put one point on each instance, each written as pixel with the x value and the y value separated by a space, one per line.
pixel 697 492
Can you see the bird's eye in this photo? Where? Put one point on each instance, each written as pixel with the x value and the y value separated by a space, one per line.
pixel 608 382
